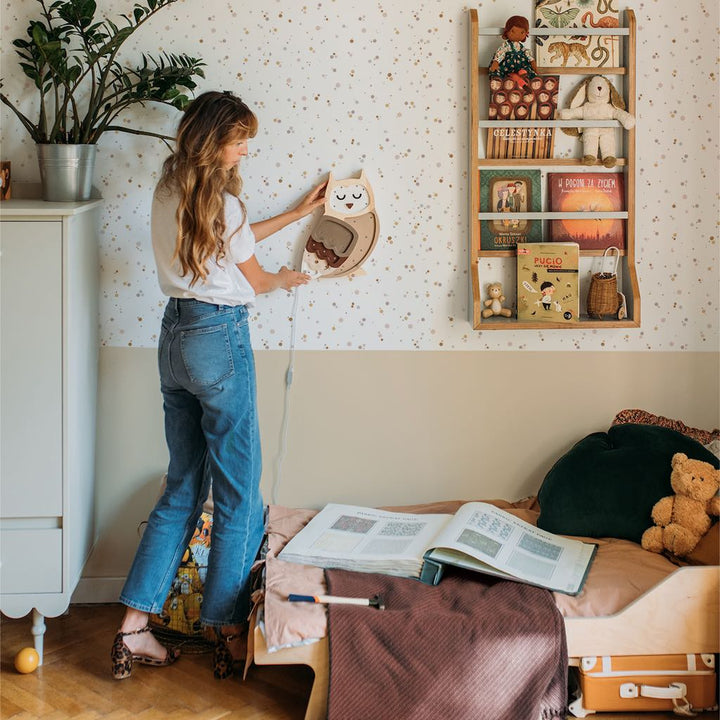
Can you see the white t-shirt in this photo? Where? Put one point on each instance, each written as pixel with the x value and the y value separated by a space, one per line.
pixel 225 284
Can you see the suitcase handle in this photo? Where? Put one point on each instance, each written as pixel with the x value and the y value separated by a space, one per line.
pixel 674 691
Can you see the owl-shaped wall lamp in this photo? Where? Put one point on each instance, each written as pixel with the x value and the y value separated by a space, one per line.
pixel 346 233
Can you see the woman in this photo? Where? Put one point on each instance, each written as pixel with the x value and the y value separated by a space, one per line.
pixel 204 251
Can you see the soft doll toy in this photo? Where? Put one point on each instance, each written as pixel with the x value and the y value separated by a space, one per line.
pixel 597 99
pixel 494 303
pixel 512 58
pixel 682 519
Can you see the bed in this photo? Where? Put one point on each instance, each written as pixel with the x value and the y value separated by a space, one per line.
pixel 618 613
pixel 634 602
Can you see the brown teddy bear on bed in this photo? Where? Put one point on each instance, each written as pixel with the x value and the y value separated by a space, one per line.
pixel 683 518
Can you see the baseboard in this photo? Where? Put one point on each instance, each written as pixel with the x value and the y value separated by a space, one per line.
pixel 95 590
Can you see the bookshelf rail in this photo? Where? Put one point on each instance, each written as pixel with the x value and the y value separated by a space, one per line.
pixel 540 162
pixel 548 70
pixel 572 31
pixel 555 215
pixel 549 123
pixel 483 268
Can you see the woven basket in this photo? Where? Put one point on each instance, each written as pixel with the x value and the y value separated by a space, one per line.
pixel 602 296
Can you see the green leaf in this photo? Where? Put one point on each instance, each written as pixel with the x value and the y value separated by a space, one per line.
pixel 74 73
pixel 181 102
pixel 38 33
pixel 32 72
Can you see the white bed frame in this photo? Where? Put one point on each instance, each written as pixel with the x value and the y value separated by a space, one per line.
pixel 679 615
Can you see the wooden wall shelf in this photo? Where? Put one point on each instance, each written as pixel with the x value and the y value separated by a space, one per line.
pixel 479 259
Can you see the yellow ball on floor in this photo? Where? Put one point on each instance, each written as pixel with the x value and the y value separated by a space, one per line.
pixel 27 660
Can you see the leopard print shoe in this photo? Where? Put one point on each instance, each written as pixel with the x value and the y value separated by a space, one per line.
pixel 122 657
pixel 224 664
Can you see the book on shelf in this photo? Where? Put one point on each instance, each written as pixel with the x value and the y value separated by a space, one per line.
pixel 590 193
pixel 509 192
pixel 478 537
pixel 576 50
pixel 520 99
pixel 547 282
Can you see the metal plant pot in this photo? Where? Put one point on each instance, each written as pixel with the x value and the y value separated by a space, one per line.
pixel 66 171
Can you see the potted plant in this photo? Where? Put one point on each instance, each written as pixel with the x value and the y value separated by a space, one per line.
pixel 82 88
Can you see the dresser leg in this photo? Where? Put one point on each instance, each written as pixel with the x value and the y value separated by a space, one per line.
pixel 38 631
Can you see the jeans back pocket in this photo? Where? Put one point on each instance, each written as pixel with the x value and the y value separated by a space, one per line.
pixel 207 355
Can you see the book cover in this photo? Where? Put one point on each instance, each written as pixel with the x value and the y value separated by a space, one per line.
pixel 587 192
pixel 547 282
pixel 519 99
pixel 576 50
pixel 509 192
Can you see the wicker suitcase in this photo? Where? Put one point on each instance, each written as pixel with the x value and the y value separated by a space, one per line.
pixel 679 683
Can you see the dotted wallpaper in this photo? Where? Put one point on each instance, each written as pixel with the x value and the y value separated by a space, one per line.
pixel 381 86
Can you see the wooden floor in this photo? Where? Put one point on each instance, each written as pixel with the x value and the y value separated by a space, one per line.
pixel 75 681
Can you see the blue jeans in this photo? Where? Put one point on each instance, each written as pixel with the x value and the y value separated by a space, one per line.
pixel 207 378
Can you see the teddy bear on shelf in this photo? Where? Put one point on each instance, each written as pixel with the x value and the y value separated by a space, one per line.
pixel 597 99
pixel 494 303
pixel 683 518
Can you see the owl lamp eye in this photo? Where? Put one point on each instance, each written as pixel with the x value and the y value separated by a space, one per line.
pixel 340 197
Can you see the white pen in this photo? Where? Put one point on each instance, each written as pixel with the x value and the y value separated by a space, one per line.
pixel 375 601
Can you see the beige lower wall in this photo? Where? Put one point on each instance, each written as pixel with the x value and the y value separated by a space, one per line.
pixel 379 428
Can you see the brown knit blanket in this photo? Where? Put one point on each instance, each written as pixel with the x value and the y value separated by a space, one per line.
pixel 470 648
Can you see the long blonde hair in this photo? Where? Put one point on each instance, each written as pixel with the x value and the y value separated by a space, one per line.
pixel 195 172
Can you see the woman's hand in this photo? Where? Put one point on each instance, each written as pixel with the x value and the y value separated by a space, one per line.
pixel 313 199
pixel 265 228
pixel 263 281
pixel 291 278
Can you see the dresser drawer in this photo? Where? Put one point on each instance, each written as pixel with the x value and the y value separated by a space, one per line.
pixel 31 561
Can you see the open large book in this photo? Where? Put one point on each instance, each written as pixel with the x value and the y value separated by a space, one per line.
pixel 477 537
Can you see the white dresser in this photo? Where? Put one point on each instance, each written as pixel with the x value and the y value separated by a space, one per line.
pixel 48 390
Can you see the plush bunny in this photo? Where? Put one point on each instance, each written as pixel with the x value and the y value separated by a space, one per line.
pixel 597 99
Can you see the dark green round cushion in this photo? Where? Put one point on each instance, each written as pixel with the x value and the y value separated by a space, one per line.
pixel 607 484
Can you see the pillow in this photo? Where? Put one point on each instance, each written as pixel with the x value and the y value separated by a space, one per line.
pixel 645 418
pixel 707 551
pixel 607 484
pixel 714 447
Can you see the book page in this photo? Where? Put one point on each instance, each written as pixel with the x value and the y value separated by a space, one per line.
pixel 365 540
pixel 485 538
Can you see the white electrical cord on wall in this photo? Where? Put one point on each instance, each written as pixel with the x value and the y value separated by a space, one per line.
pixel 286 405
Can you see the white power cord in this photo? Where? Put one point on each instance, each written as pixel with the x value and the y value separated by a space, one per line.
pixel 286 405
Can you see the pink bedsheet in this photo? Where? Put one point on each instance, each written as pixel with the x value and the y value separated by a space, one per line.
pixel 620 573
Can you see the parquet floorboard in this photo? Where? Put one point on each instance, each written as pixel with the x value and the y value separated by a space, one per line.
pixel 74 682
